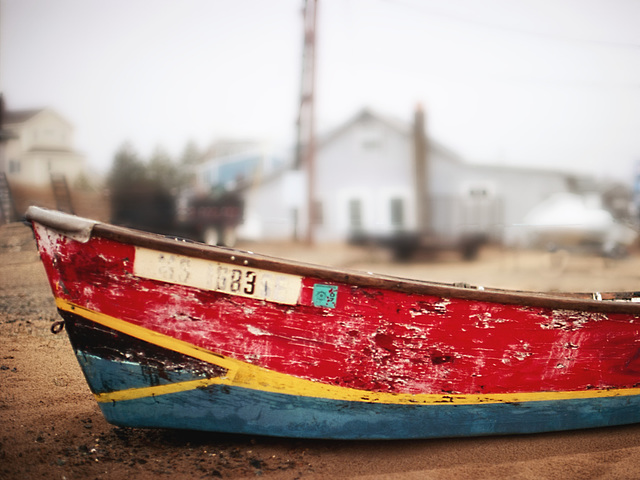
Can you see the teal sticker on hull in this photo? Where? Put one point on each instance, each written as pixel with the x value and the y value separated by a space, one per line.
pixel 325 296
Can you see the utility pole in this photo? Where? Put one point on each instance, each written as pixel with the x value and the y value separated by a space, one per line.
pixel 421 172
pixel 305 154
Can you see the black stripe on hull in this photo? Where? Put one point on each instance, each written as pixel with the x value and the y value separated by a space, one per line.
pixel 106 343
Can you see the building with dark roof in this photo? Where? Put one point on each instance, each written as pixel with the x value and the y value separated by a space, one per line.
pixel 40 144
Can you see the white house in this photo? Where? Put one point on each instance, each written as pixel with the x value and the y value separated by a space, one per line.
pixel 40 144
pixel 368 181
pixel 365 181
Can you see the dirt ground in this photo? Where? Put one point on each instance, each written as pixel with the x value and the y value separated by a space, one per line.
pixel 51 427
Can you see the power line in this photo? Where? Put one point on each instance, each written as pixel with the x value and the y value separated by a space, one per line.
pixel 505 28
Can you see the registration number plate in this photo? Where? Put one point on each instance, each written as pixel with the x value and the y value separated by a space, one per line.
pixel 243 281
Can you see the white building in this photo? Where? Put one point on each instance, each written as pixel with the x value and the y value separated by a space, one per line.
pixel 41 144
pixel 365 184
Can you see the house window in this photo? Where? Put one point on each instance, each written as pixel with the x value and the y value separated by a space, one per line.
pixel 355 214
pixel 397 213
pixel 371 143
pixel 14 166
pixel 371 137
pixel 478 192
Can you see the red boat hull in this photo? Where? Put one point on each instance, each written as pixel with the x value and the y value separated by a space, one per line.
pixel 342 338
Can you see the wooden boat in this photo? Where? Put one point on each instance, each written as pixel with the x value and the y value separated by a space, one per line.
pixel 175 334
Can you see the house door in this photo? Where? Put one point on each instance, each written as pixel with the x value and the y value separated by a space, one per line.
pixel 397 214
pixel 355 215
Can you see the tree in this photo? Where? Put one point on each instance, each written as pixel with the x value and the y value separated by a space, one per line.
pixel 161 171
pixel 127 169
pixel 141 193
pixel 191 155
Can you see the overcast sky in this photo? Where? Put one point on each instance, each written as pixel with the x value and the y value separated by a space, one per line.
pixel 548 83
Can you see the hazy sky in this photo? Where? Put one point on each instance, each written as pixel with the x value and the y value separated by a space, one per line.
pixel 549 83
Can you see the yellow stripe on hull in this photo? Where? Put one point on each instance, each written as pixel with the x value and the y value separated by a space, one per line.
pixel 135 393
pixel 245 375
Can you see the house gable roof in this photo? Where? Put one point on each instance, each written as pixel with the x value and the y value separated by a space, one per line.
pixel 400 127
pixel 364 115
pixel 17 117
pixel 20 116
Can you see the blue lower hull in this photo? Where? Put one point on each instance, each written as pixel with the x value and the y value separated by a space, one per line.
pixel 222 408
pixel 237 410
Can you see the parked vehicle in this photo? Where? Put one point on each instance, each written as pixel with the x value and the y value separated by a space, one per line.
pixel 567 221
pixel 211 219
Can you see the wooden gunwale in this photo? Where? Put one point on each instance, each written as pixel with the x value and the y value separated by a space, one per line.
pixel 568 301
pixel 615 302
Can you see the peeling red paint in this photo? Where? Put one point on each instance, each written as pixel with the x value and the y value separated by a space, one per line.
pixel 378 340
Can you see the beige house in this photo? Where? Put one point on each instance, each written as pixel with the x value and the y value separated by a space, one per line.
pixel 40 144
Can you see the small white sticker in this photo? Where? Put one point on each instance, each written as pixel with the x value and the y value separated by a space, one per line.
pixel 204 274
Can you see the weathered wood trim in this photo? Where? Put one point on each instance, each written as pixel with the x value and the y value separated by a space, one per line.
pixel 570 301
pixel 618 302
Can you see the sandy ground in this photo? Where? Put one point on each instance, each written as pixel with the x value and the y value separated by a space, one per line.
pixel 50 426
